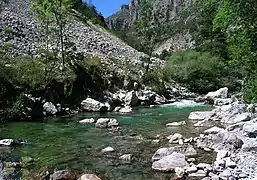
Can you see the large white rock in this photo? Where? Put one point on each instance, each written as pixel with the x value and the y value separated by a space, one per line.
pixel 50 108
pixel 6 142
pixel 201 115
pixel 92 105
pixel 169 163
pixel 131 98
pixel 221 93
pixel 237 118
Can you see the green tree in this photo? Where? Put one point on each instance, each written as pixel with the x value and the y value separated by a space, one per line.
pixel 148 29
pixel 54 12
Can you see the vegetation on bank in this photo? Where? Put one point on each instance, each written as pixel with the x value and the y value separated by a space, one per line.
pixel 225 45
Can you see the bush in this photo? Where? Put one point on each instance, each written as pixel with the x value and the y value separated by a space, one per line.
pixel 200 72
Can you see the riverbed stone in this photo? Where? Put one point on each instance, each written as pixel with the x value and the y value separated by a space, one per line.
pixel 93 105
pixel 250 128
pixel 179 172
pixel 89 177
pixel 7 142
pixel 65 175
pixel 50 108
pixel 106 123
pixel 88 121
pixel 214 130
pixel 131 98
pixel 201 115
pixel 169 163
pixel 126 157
pixel 108 149
pixel 191 169
pixel 221 101
pixel 237 118
pixel 221 93
pixel 198 174
pixel 174 124
pixel 250 144
pixel 175 138
pixel 190 151
pixel 126 109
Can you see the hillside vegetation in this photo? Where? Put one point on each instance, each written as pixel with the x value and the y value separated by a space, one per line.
pixel 221 38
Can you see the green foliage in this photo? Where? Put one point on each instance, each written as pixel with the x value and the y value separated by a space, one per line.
pixel 88 12
pixel 200 72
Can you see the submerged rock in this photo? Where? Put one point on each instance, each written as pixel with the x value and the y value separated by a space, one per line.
pixel 108 149
pixel 169 163
pixel 65 175
pixel 89 177
pixel 176 124
pixel 88 121
pixel 126 157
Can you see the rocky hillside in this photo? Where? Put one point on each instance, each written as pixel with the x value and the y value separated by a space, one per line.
pixel 129 14
pixel 20 31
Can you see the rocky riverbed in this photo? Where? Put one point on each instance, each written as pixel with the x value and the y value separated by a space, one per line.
pixel 162 142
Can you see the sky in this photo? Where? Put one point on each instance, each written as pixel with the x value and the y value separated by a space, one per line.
pixel 108 7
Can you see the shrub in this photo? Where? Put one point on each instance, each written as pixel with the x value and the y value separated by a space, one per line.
pixel 200 72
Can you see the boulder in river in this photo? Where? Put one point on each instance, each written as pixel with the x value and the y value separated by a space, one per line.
pixel 6 142
pixel 170 162
pixel 50 108
pixel 201 115
pixel 106 123
pixel 92 105
pixel 126 109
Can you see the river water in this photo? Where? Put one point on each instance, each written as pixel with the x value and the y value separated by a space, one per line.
pixel 64 143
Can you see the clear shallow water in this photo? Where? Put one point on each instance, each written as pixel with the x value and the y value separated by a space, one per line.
pixel 63 143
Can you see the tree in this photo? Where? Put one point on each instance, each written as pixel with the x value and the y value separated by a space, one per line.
pixel 53 12
pixel 148 29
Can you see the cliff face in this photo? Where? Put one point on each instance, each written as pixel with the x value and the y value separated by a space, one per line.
pixel 126 17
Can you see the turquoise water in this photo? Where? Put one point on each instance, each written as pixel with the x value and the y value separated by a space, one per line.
pixel 63 143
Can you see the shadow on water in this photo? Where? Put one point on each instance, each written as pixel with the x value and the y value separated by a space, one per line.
pixel 63 143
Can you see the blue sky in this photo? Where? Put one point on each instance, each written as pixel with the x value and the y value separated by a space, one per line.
pixel 108 7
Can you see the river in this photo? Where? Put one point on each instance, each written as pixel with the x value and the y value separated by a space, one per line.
pixel 64 143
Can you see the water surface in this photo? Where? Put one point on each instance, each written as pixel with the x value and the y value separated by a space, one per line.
pixel 63 143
